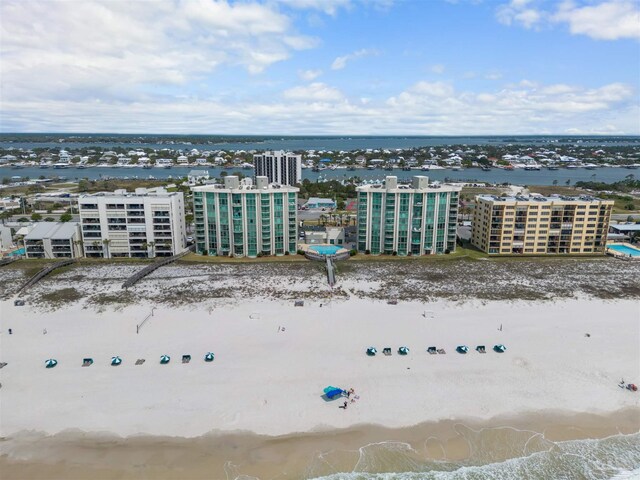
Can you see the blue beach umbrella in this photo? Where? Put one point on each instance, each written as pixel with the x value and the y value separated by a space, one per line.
pixel 333 392
pixel 462 349
pixel 403 350
pixel 208 357
pixel 164 359
pixel 52 362
pixel 371 351
pixel 499 348
pixel 115 361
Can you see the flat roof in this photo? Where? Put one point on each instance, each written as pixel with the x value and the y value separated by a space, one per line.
pixel 52 230
pixel 218 187
pixel 626 227
pixel 542 199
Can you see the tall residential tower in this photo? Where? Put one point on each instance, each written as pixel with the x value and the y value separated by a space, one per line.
pixel 415 219
pixel 539 225
pixel 279 167
pixel 243 219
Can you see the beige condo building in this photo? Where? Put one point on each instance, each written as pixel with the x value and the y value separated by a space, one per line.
pixel 538 225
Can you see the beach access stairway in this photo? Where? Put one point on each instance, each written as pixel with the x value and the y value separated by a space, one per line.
pixel 139 275
pixel 44 272
pixel 331 271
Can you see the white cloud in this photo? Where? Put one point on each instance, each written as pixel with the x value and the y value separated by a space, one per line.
pixel 519 11
pixel 316 91
pixel 428 108
pixel 330 7
pixel 610 20
pixel 606 20
pixel 103 49
pixel 438 69
pixel 340 62
pixel 308 75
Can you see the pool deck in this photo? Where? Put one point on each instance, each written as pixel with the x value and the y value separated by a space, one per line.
pixel 620 255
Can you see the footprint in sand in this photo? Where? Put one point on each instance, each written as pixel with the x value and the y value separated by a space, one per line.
pixel 521 362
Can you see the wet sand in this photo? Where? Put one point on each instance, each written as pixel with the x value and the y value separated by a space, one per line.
pixel 76 455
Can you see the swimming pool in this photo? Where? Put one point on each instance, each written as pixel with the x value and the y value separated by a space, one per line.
pixel 625 250
pixel 325 249
pixel 16 253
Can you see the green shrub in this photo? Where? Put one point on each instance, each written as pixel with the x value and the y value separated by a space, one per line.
pixel 353 252
pixel 300 252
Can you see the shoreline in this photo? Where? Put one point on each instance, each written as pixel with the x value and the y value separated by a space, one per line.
pixel 445 445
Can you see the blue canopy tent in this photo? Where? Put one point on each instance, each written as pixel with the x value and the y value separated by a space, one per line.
pixel 209 357
pixel 164 359
pixel 52 362
pixel 403 350
pixel 115 361
pixel 499 348
pixel 333 392
pixel 462 349
pixel 371 351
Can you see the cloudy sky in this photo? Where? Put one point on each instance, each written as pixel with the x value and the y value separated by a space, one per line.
pixel 428 67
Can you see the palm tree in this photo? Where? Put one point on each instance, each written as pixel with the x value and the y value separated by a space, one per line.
pixel 80 244
pixel 152 246
pixel 106 243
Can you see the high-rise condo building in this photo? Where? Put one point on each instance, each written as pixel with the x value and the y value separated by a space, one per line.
pixel 280 167
pixel 147 223
pixel 538 225
pixel 415 219
pixel 243 219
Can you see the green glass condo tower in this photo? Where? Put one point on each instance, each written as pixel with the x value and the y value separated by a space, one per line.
pixel 415 219
pixel 242 219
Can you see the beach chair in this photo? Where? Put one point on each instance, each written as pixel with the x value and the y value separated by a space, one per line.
pixel 140 361
pixel 186 358
pixel 481 349
pixel 386 351
pixel 441 351
pixel 432 350
pixel 87 362
pixel 299 303
pixel 392 301
pixel 3 364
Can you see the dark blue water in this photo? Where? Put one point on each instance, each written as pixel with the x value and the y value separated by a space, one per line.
pixel 317 142
pixel 516 177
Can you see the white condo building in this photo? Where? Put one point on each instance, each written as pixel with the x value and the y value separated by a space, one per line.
pixel 243 219
pixel 147 223
pixel 415 219
pixel 283 168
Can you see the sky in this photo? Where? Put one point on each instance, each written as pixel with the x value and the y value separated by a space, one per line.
pixel 321 67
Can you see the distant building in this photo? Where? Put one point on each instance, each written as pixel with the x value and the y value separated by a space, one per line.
pixel 197 176
pixel 53 240
pixel 9 204
pixel 538 225
pixel 315 203
pixel 147 223
pixel 415 219
pixel 242 219
pixel 6 239
pixel 279 167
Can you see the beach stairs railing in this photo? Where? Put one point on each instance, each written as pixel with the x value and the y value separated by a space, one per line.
pixel 44 272
pixel 331 271
pixel 7 261
pixel 139 275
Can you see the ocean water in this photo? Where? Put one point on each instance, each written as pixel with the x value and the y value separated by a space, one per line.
pixel 519 455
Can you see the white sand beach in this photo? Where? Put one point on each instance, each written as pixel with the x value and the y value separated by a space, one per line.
pixel 270 381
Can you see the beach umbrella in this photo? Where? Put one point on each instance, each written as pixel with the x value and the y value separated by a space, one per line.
pixel 371 351
pixel 403 350
pixel 462 349
pixel 164 359
pixel 115 361
pixel 333 392
pixel 208 357
pixel 500 348
pixel 52 362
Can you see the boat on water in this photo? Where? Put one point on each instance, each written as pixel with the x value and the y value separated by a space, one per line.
pixel 371 167
pixel 351 168
pixel 315 169
pixel 44 165
pixel 485 168
pixel 509 167
pixel 631 167
pixel 425 168
pixel 388 168
pixel 552 167
pixel 167 166
pixel 147 167
pixel 406 169
pixel 81 167
pixel 531 168
pixel 60 165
